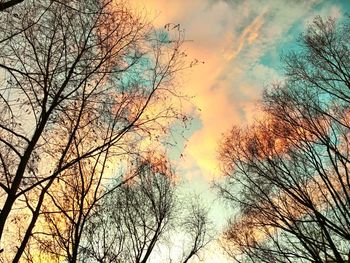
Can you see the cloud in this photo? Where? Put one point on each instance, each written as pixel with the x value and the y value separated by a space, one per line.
pixel 234 76
pixel 249 34
pixel 232 37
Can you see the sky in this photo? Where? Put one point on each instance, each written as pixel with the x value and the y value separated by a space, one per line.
pixel 241 42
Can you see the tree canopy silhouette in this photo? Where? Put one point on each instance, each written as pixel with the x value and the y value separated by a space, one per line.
pixel 288 175
pixel 84 84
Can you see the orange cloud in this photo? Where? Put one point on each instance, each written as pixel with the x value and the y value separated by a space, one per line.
pixel 227 87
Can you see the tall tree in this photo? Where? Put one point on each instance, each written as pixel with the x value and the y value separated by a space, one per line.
pixel 87 80
pixel 288 176
pixel 138 216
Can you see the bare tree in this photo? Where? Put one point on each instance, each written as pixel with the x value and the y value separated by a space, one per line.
pixel 198 228
pixel 138 216
pixel 288 176
pixel 134 217
pixel 71 199
pixel 86 82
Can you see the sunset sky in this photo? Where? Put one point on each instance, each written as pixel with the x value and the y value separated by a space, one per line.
pixel 241 43
pixel 114 116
